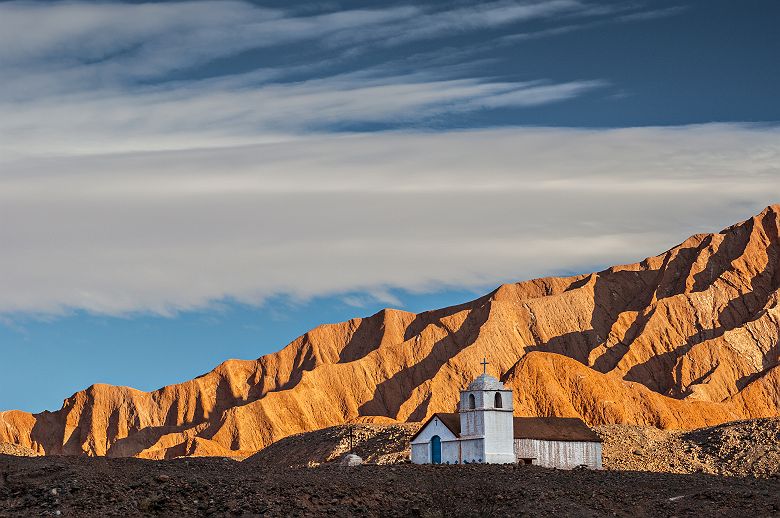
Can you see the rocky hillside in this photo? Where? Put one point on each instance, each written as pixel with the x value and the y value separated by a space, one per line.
pixel 739 448
pixel 374 443
pixel 685 339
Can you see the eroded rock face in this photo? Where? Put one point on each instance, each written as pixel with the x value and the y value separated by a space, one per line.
pixel 685 339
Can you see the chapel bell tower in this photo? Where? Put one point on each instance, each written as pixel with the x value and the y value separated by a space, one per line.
pixel 486 420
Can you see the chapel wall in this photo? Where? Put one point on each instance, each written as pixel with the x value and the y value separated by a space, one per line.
pixel 473 450
pixel 449 452
pixel 434 427
pixel 499 436
pixel 469 424
pixel 421 453
pixel 559 454
pixel 421 445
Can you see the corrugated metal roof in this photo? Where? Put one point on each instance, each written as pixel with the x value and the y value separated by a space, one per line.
pixel 554 429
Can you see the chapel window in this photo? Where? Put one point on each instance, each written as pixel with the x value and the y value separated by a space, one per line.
pixel 472 401
pixel 499 403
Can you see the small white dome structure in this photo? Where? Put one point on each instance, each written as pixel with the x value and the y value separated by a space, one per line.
pixel 351 459
pixel 485 382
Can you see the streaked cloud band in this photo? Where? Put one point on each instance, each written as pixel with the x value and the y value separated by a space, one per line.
pixel 168 231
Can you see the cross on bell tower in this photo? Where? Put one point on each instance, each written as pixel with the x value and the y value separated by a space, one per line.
pixel 484 364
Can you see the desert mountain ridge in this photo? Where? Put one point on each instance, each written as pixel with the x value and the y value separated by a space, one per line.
pixel 682 340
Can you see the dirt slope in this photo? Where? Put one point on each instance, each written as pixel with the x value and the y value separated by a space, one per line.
pixel 684 339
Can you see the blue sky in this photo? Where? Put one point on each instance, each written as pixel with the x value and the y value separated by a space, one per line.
pixel 186 182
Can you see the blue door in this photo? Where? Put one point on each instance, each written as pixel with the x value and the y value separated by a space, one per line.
pixel 436 449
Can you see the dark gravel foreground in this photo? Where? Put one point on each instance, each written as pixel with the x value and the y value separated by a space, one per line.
pixel 70 486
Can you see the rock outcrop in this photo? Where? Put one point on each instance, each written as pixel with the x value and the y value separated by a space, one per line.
pixel 685 339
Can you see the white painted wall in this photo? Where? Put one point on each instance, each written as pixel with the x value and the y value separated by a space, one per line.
pixel 499 436
pixel 472 450
pixel 450 451
pixel 485 399
pixel 494 425
pixel 419 454
pixel 421 445
pixel 559 454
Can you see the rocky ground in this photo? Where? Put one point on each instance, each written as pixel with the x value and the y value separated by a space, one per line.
pixel 74 486
pixel 726 470
pixel 738 448
pixel 15 449
pixel 374 443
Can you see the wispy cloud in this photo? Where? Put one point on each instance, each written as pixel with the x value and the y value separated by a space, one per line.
pixel 651 14
pixel 83 77
pixel 174 230
pixel 229 112
pixel 129 182
pixel 98 42
pixel 615 14
pixel 77 46
pixel 371 297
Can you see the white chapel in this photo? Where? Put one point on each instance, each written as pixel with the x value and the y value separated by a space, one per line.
pixel 484 430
